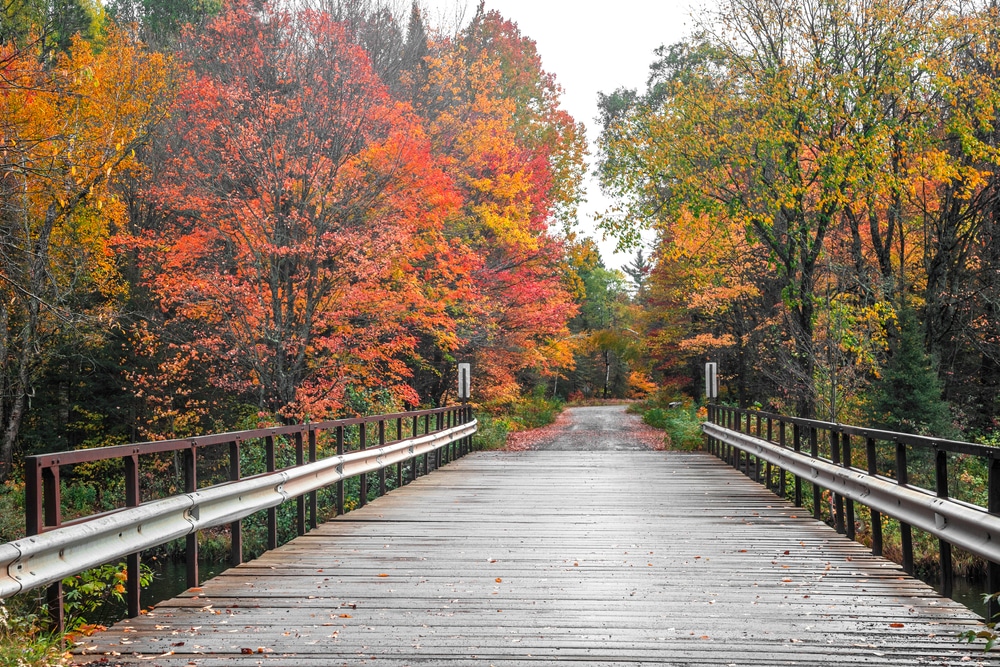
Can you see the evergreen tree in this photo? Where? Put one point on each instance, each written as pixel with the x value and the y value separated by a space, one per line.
pixel 907 395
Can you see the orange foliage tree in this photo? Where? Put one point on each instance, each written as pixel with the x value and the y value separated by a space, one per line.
pixel 493 118
pixel 300 252
pixel 67 131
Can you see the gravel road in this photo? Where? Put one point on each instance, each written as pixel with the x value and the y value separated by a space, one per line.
pixel 598 428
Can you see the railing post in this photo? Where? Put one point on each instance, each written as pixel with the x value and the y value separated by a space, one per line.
pixel 300 502
pixel 993 507
pixel 363 486
pixel 708 439
pixel 797 446
pixel 770 475
pixel 845 441
pixel 272 512
pixel 816 491
pixel 191 486
pixel 381 471
pixel 838 500
pixel 871 454
pixel 313 502
pixel 905 532
pixel 133 583
pixel 439 424
pixel 427 429
pixel 944 547
pixel 416 459
pixel 339 433
pixel 399 466
pixel 782 482
pixel 236 527
pixel 42 505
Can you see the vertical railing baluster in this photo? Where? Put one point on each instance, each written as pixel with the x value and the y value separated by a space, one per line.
pixel 272 512
pixel 905 532
pixel 339 435
pixel 313 502
pixel 236 527
pixel 845 442
pixel 133 579
pixel 871 454
pixel 415 460
pixel 782 481
pixel 838 500
pixel 817 493
pixel 381 471
pixel 44 509
pixel 944 547
pixel 796 446
pixel 191 486
pixel 363 440
pixel 427 429
pixel 399 466
pixel 300 502
pixel 993 507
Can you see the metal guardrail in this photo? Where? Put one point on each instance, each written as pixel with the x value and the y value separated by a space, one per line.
pixel 731 436
pixel 54 550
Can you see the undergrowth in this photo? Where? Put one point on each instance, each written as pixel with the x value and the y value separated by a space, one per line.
pixel 498 420
pixel 679 417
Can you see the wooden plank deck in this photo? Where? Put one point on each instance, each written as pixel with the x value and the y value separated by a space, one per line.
pixel 533 558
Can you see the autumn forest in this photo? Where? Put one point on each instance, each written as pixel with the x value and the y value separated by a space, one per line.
pixel 824 180
pixel 219 212
pixel 215 212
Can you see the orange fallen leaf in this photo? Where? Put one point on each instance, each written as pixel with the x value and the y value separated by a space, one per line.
pixel 498 580
pixel 383 574
pixel 346 616
pixel 896 625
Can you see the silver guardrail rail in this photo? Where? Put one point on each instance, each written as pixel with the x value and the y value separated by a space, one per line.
pixel 51 556
pixel 961 524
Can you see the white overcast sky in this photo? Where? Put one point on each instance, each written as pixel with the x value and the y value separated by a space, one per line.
pixel 591 47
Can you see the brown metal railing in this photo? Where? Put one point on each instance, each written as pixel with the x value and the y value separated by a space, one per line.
pixel 43 487
pixel 885 455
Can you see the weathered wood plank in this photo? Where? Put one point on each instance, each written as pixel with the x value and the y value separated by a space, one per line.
pixel 593 558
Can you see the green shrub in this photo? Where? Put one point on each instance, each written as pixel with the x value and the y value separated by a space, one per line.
pixel 491 432
pixel 656 417
pixel 682 424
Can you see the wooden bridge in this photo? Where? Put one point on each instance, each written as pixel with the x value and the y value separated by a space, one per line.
pixel 540 557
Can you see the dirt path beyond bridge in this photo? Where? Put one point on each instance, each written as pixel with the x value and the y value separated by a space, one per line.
pixel 596 428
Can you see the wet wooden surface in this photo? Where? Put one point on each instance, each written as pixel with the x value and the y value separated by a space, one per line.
pixel 540 557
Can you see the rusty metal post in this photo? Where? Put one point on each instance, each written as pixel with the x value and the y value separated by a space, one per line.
pixel 133 584
pixel 272 512
pixel 399 466
pixel 340 485
pixel 838 500
pixel 871 454
pixel 313 500
pixel 300 502
pixel 817 493
pixel 381 471
pixel 845 444
pixel 993 507
pixel 191 486
pixel 363 486
pixel 236 527
pixel 905 531
pixel 944 547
